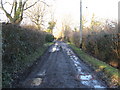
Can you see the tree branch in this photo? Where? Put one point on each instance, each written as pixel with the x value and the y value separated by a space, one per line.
pixel 31 5
pixel 45 3
pixel 8 3
pixel 7 14
pixel 12 8
pixel 3 7
pixel 15 5
pixel 36 3
pixel 25 2
pixel 31 17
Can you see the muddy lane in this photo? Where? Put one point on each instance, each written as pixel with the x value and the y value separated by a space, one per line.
pixel 62 69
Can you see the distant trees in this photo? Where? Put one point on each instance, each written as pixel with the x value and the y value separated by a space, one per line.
pixel 51 26
pixel 66 27
pixel 94 23
pixel 37 14
pixel 15 15
pixel 100 39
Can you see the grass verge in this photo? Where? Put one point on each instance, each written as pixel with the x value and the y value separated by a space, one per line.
pixel 111 73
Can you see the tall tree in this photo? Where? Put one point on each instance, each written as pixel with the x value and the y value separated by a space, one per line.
pixel 18 7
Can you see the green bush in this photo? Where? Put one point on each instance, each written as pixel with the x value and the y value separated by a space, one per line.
pixel 18 43
pixel 103 46
pixel 49 38
pixel 99 42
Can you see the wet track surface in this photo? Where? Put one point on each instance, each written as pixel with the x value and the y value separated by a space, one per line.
pixel 61 68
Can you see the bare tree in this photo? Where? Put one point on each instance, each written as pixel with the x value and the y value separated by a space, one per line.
pixel 37 14
pixel 66 26
pixel 18 7
pixel 94 23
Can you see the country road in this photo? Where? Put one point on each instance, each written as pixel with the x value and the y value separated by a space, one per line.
pixel 61 68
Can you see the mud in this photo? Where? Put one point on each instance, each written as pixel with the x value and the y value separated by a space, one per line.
pixel 61 68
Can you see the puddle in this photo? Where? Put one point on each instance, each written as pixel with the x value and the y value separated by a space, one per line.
pixel 98 86
pixel 75 58
pixel 56 44
pixel 76 65
pixel 79 70
pixel 71 58
pixel 87 83
pixel 76 62
pixel 88 80
pixel 85 79
pixel 54 48
pixel 68 53
pixel 41 74
pixel 95 81
pixel 36 81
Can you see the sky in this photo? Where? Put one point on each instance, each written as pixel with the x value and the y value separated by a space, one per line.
pixel 102 9
pixel 107 9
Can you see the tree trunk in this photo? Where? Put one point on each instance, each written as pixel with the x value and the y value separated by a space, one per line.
pixel 17 11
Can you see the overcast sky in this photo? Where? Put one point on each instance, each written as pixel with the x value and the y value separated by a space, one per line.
pixel 101 8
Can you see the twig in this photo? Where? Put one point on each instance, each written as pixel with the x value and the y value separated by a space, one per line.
pixel 8 3
pixel 31 5
pixel 36 3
